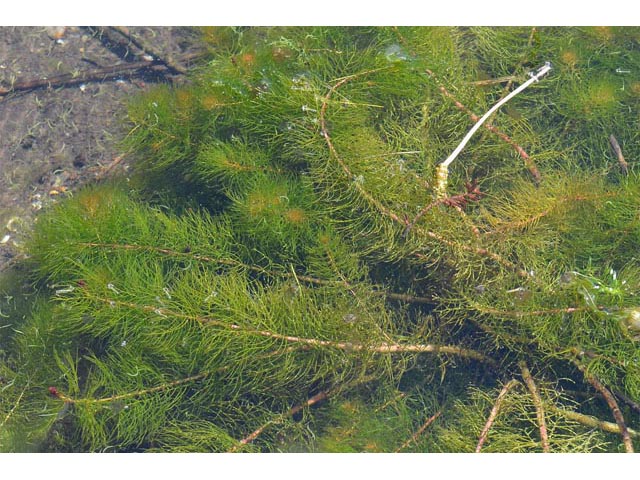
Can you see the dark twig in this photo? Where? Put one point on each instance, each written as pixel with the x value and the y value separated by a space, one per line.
pixel 318 397
pixel 120 70
pixel 613 405
pixel 414 437
pixel 542 424
pixel 472 194
pixel 157 56
pixel 114 43
pixel 616 148
pixel 96 75
pixel 494 413
pixel 634 405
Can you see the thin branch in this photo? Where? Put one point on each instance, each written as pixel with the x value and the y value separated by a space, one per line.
pixel 14 407
pixel 159 388
pixel 472 194
pixel 521 224
pixel 624 166
pixel 523 58
pixel 613 405
pixel 137 393
pixel 542 424
pixel 483 252
pixel 318 397
pixel 382 347
pixel 493 81
pixel 593 422
pixel 580 353
pixel 494 413
pixel 634 405
pixel 95 75
pixel 420 431
pixel 325 133
pixel 467 220
pixel 157 56
pixel 526 313
pixel 101 74
pixel 229 262
pixel 103 171
pixel 405 297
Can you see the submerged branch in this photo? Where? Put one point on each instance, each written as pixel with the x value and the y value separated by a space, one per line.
pixel 483 252
pixel 325 133
pixel 403 297
pixel 542 424
pixel 558 202
pixel 624 166
pixel 535 313
pixel 494 413
pixel 102 74
pixel 593 422
pixel 159 388
pixel 15 405
pixel 383 347
pixel 613 405
pixel 414 437
pixel 148 49
pixel 137 393
pixel 318 397
pixel 493 81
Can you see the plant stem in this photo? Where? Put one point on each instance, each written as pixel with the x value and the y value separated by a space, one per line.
pixel 229 262
pixel 528 380
pixel 420 431
pixel 15 405
pixel 593 422
pixel 494 413
pixel 613 405
pixel 383 347
pixel 616 148
pixel 318 397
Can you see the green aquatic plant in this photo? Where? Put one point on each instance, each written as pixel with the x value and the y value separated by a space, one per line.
pixel 282 273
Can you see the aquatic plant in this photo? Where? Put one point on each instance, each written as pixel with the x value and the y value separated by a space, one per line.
pixel 281 272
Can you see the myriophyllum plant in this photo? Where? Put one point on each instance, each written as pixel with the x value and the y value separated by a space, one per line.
pixel 280 272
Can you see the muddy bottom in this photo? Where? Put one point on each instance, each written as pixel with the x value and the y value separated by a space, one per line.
pixel 66 131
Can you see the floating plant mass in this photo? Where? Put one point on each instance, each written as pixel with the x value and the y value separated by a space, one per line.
pixel 284 272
